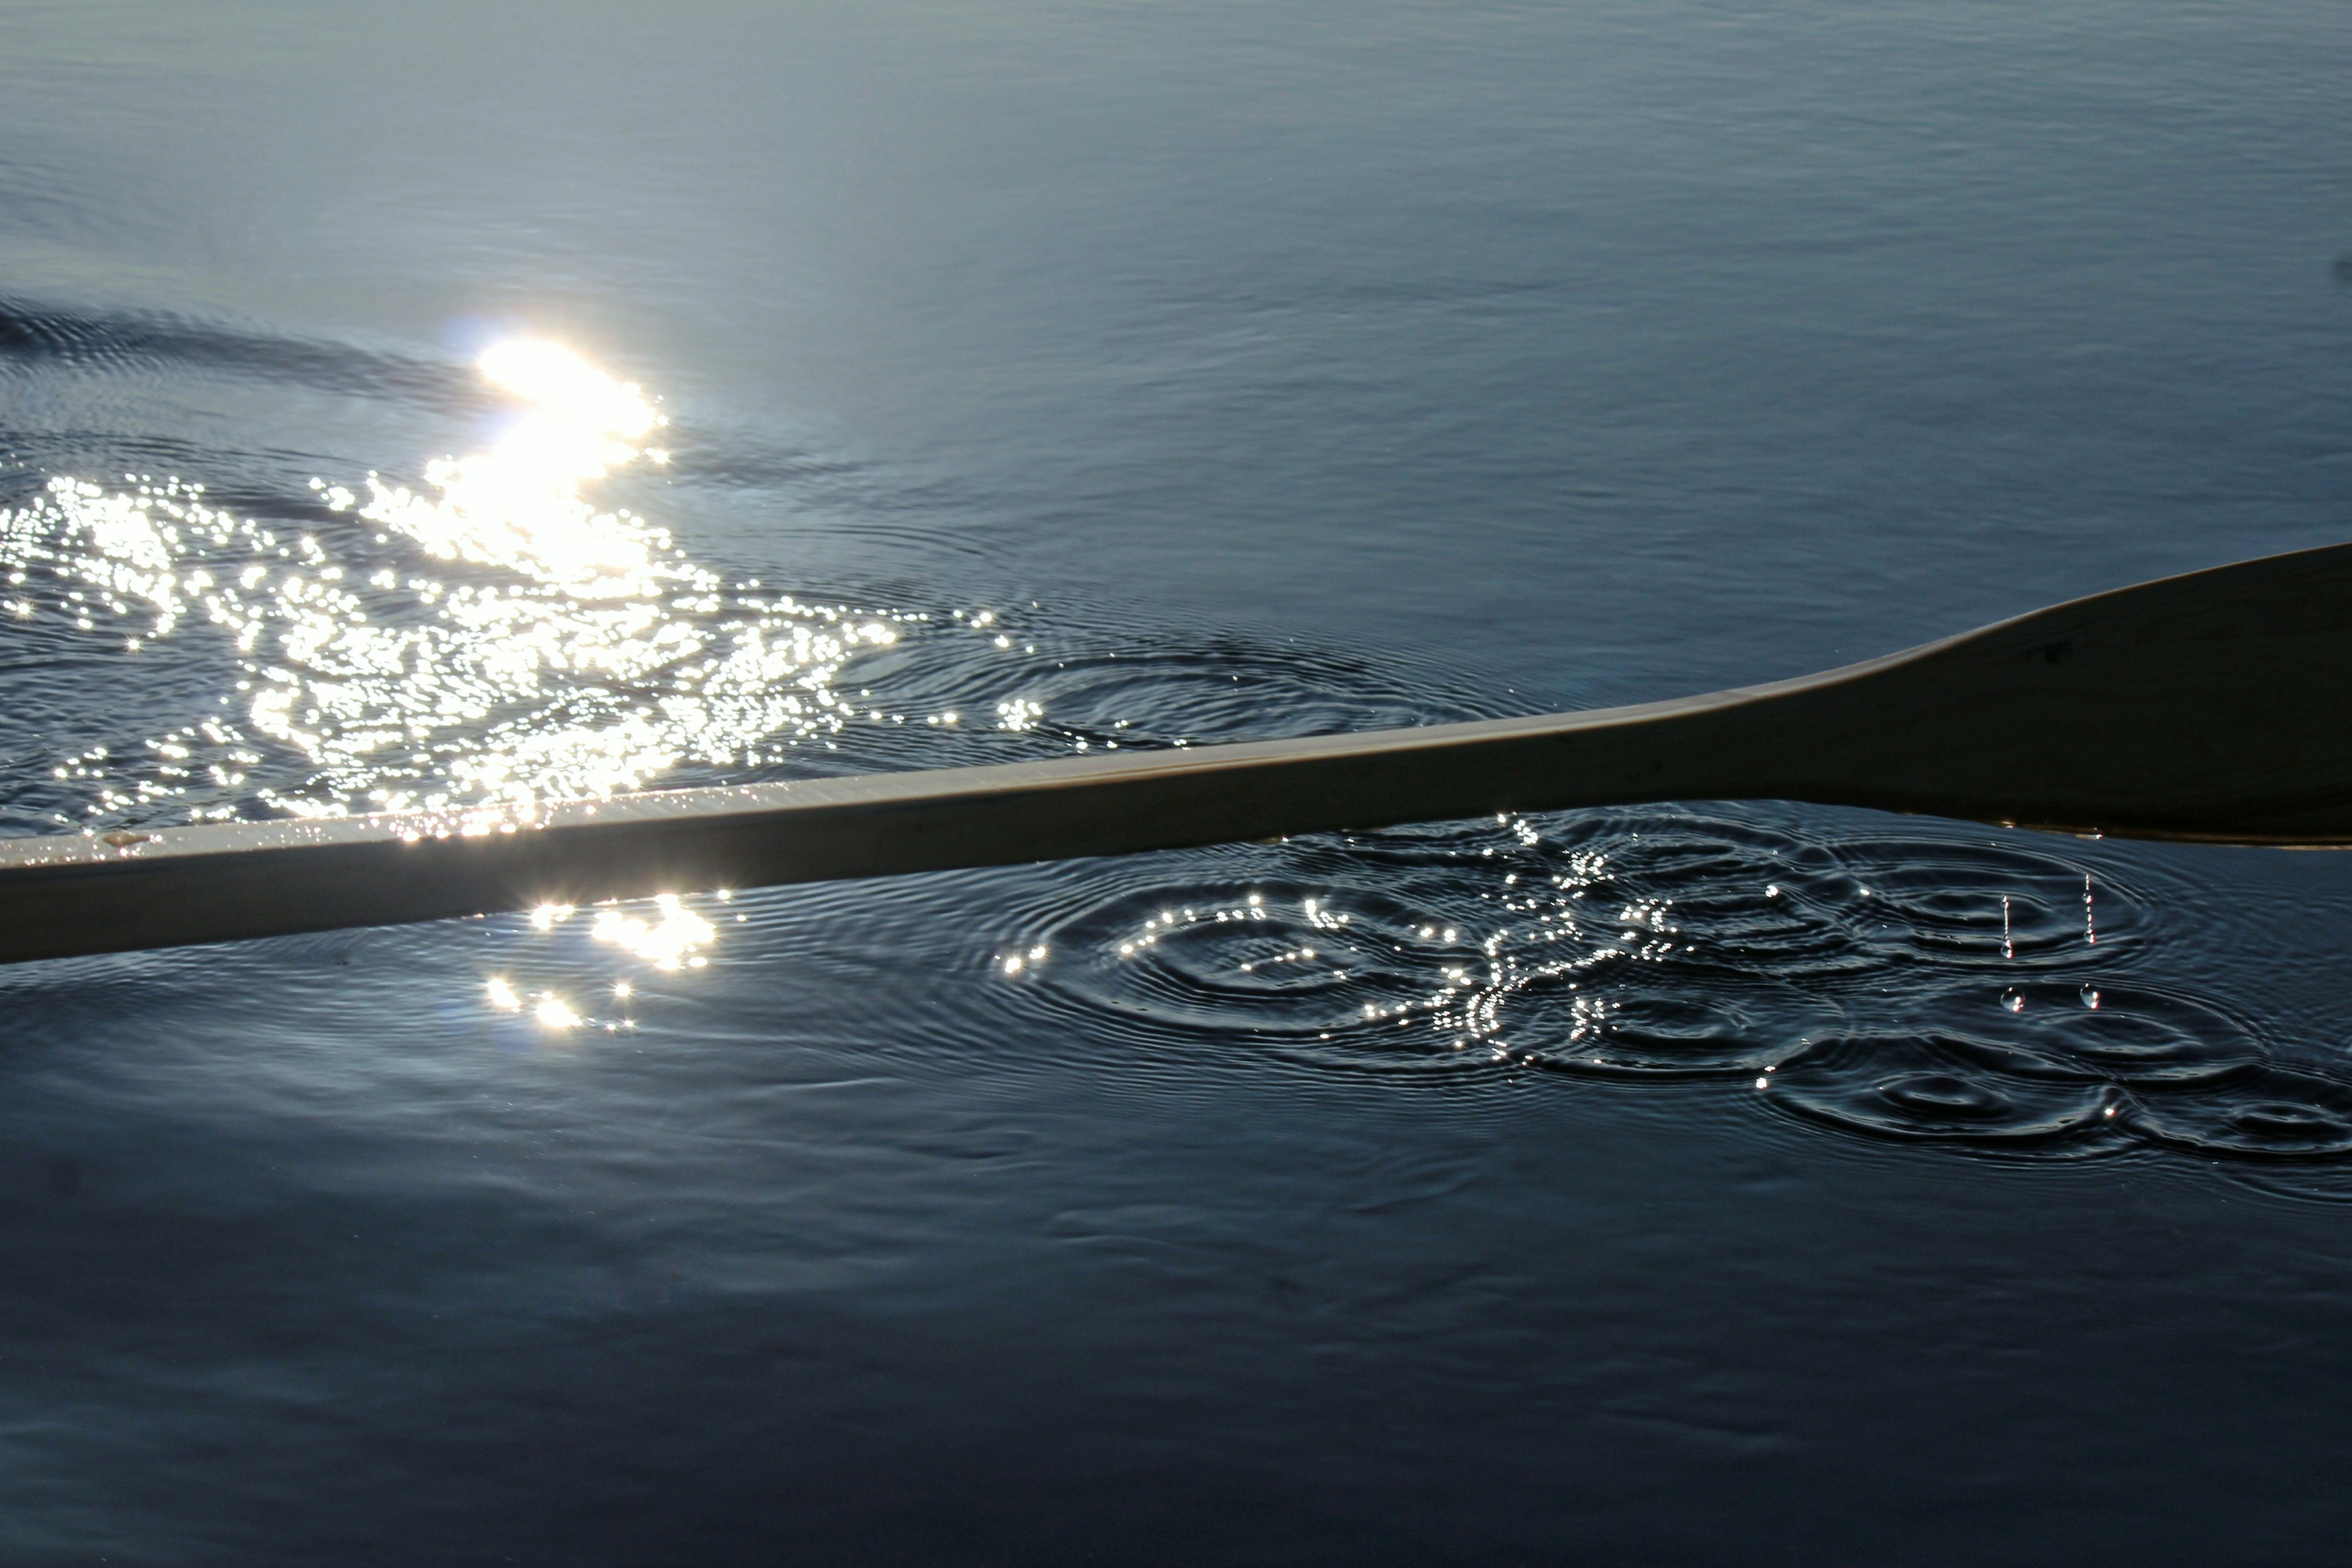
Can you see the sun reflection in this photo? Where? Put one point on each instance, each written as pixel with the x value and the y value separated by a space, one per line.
pixel 668 942
pixel 672 939
pixel 518 504
pixel 481 642
pixel 561 381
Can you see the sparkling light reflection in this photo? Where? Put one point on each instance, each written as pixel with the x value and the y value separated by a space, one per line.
pixel 1548 935
pixel 485 641
pixel 1549 970
pixel 674 938
pixel 668 942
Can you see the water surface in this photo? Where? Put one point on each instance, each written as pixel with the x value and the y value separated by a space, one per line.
pixel 412 406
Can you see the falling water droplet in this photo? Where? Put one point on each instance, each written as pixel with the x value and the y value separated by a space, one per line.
pixel 2008 946
pixel 2013 999
pixel 2090 995
pixel 2090 929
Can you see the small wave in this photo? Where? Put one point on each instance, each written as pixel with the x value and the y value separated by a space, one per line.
pixel 1935 988
pixel 131 339
pixel 1944 1088
pixel 2269 1113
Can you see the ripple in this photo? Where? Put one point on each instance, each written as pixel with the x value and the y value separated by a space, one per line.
pixel 119 341
pixel 1943 1088
pixel 2132 1036
pixel 2273 1113
pixel 1269 957
pixel 1978 904
pixel 1861 981
pixel 2053 1067
pixel 1005 683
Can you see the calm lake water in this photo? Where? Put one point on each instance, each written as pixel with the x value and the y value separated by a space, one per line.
pixel 442 402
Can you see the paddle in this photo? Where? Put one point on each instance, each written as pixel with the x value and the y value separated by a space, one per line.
pixel 2212 706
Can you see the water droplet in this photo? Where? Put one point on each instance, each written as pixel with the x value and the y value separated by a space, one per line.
pixel 2013 999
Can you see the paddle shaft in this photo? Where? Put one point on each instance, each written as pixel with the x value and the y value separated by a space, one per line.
pixel 2211 706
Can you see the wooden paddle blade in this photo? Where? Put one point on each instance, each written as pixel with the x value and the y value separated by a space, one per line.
pixel 2215 706
pixel 2211 706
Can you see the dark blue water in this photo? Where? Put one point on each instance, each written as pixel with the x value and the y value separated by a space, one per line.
pixel 1685 1185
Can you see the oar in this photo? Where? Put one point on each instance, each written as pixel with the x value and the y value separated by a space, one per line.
pixel 2212 706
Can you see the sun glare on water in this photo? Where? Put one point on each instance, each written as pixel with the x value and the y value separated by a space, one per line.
pixel 467 637
pixel 518 504
pixel 481 639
